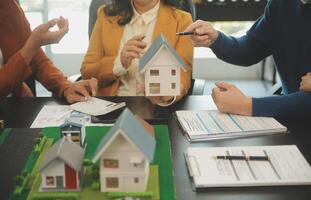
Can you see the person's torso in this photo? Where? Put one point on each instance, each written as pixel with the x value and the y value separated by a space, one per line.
pixel 168 22
pixel 14 29
pixel 292 42
pixel 131 84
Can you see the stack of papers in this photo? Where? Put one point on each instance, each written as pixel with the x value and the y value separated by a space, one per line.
pixel 285 166
pixel 211 124
pixel 51 116
pixel 55 115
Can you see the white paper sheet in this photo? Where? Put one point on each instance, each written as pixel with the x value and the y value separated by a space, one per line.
pixel 286 166
pixel 95 106
pixel 211 124
pixel 51 115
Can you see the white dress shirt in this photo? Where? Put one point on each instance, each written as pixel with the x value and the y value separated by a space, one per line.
pixel 141 24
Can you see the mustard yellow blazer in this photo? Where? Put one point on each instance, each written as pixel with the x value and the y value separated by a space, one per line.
pixel 105 43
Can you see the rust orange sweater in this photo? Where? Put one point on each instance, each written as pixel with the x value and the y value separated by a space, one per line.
pixel 14 32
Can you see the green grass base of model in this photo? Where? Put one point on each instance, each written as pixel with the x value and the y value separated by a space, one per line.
pixel 4 134
pixel 160 185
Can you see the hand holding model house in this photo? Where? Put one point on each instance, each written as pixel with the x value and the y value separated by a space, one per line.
pixel 161 67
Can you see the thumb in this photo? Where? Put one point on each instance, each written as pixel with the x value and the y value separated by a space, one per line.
pixel 193 26
pixel 223 85
pixel 216 93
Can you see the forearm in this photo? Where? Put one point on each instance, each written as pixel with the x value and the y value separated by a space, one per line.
pixel 13 73
pixel 243 51
pixel 293 105
pixel 48 74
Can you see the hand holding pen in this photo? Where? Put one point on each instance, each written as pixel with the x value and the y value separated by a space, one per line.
pixel 134 48
pixel 202 33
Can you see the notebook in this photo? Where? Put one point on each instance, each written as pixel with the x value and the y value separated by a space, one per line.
pixel 211 124
pixel 286 166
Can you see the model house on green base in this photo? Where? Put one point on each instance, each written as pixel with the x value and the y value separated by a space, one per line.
pixel 74 129
pixel 125 154
pixel 62 168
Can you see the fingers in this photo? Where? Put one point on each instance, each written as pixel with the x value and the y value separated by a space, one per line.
pixel 62 22
pixel 134 48
pixel 50 24
pixel 160 99
pixel 197 24
pixel 138 37
pixel 72 98
pixel 92 83
pixel 63 28
pixel 136 43
pixel 224 86
pixel 215 93
pixel 154 100
pixel 205 35
pixel 79 88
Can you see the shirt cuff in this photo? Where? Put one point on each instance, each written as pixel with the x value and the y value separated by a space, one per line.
pixel 167 104
pixel 118 69
pixel 218 44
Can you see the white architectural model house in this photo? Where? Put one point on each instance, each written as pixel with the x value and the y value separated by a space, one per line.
pixel 161 67
pixel 125 154
pixel 74 129
pixel 62 169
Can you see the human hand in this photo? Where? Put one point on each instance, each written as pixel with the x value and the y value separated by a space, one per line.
pixel 42 35
pixel 81 90
pixel 204 34
pixel 133 48
pixel 161 100
pixel 158 100
pixel 229 99
pixel 305 84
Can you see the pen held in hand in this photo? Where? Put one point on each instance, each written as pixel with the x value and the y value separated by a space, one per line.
pixel 190 33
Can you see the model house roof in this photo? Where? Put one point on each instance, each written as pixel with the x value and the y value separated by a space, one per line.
pixel 154 48
pixel 69 123
pixel 66 151
pixel 134 130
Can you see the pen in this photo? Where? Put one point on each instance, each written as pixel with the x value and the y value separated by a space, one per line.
pixel 189 33
pixel 247 158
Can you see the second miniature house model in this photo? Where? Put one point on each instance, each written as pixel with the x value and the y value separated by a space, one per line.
pixel 74 129
pixel 161 66
pixel 125 154
pixel 62 168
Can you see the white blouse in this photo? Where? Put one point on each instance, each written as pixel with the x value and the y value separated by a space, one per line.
pixel 131 79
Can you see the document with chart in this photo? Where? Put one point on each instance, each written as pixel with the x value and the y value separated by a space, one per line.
pixel 285 165
pixel 211 125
